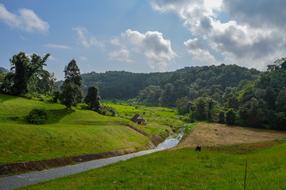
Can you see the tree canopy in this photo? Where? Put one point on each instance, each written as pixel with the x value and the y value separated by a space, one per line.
pixel 71 89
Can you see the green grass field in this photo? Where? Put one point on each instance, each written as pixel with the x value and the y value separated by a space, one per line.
pixel 187 169
pixel 160 121
pixel 70 133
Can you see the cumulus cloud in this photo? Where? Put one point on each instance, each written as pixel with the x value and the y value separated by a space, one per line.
pixel 199 52
pixel 257 13
pixel 56 46
pixel 153 45
pixel 122 55
pixel 26 20
pixel 86 39
pixel 241 31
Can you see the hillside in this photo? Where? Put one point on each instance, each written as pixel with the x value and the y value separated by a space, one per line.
pixel 189 81
pixel 73 133
pixel 3 70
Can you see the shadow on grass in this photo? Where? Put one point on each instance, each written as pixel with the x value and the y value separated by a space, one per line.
pixel 54 116
pixel 4 98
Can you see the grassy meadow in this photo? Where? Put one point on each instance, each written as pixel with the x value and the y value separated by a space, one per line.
pixel 72 133
pixel 159 120
pixel 222 168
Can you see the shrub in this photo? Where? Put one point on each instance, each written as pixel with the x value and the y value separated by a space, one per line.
pixel 106 110
pixel 37 116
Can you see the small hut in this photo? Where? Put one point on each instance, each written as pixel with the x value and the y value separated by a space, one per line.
pixel 138 119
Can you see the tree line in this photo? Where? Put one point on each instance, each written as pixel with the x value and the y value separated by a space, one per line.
pixel 28 77
pixel 259 103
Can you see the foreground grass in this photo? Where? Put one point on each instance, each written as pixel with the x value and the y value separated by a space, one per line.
pixel 187 169
pixel 68 133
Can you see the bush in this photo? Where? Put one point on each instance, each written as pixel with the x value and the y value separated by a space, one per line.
pixel 37 116
pixel 106 110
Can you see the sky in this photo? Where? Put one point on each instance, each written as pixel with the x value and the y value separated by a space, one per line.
pixel 144 35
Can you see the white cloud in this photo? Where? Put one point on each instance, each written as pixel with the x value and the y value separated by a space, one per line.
pixel 56 46
pixel 250 34
pixel 199 52
pixel 52 58
pixel 115 42
pixel 83 58
pixel 122 55
pixel 262 13
pixel 26 20
pixel 153 45
pixel 86 39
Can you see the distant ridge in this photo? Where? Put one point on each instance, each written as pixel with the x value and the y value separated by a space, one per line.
pixel 3 70
pixel 121 85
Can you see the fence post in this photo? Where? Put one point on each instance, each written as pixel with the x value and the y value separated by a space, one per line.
pixel 245 175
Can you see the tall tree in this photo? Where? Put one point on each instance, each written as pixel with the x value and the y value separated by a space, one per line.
pixel 20 63
pixel 221 117
pixel 71 89
pixel 92 99
pixel 23 69
pixel 201 111
pixel 230 117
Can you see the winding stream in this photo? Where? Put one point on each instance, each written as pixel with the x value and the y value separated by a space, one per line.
pixel 17 181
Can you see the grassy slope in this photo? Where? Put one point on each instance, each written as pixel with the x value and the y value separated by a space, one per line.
pixel 66 134
pixel 187 169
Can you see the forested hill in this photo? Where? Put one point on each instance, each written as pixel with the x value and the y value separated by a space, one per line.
pixel 165 88
pixel 3 70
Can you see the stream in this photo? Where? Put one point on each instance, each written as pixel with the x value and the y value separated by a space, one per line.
pixel 22 180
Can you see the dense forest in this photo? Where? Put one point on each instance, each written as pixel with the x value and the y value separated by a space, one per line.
pixel 226 93
pixel 165 88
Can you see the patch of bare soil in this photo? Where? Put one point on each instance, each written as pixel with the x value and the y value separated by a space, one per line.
pixel 209 135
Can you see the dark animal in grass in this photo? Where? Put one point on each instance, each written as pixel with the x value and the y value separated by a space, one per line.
pixel 198 149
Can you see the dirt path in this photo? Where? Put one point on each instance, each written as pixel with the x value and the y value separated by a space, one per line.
pixel 206 134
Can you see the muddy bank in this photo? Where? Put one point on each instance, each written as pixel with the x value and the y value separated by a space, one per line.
pixel 21 167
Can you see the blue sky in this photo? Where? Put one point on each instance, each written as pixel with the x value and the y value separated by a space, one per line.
pixel 143 35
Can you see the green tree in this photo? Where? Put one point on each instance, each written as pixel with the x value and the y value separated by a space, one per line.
pixel 281 101
pixel 210 109
pixel 167 97
pixel 41 83
pixel 150 95
pixel 8 83
pixel 24 68
pixel 201 110
pixel 92 99
pixel 71 89
pixel 221 117
pixel 252 113
pixel 230 117
pixel 183 105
